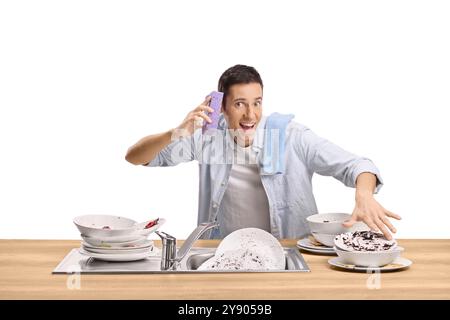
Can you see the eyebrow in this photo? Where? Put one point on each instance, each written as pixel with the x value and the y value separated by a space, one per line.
pixel 243 99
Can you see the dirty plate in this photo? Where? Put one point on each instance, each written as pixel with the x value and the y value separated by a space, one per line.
pixel 119 246
pixel 257 241
pixel 117 251
pixel 398 264
pixel 307 245
pixel 120 257
pixel 114 242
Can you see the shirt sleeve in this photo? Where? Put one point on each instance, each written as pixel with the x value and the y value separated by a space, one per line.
pixel 180 150
pixel 328 159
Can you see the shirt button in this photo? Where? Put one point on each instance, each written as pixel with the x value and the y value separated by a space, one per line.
pixel 215 205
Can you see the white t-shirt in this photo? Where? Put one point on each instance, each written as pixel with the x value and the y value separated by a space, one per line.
pixel 244 203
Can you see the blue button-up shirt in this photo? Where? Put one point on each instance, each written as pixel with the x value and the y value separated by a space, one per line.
pixel 289 194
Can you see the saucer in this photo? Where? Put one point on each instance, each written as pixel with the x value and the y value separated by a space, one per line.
pixel 398 264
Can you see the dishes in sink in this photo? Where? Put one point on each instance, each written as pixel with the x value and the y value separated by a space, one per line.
pixel 247 249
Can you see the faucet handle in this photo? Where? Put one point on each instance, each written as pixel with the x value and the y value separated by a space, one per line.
pixel 194 236
pixel 169 250
pixel 165 236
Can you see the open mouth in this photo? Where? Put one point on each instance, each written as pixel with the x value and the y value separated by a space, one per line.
pixel 247 125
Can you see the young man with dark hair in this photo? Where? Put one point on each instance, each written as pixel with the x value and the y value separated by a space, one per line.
pixel 266 179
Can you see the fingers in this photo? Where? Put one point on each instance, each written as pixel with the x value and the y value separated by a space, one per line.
pixel 388 224
pixel 201 114
pixel 371 225
pixel 383 228
pixel 392 215
pixel 204 106
pixel 350 223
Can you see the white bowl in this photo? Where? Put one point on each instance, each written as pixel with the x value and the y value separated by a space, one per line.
pixel 331 223
pixel 93 225
pixel 369 258
pixel 325 239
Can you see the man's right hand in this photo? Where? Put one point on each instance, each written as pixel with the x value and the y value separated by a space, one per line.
pixel 193 119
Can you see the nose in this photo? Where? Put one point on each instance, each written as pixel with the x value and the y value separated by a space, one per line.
pixel 250 112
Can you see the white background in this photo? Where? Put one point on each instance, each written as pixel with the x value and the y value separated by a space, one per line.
pixel 81 81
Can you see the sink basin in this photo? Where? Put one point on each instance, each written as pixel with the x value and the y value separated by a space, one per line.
pixel 76 262
pixel 294 262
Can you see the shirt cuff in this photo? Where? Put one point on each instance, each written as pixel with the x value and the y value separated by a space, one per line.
pixel 368 166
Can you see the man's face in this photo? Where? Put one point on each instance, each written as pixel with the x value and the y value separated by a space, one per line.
pixel 243 111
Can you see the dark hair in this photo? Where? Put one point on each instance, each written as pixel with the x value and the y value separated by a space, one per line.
pixel 236 75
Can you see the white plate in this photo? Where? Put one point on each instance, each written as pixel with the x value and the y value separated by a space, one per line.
pixel 323 252
pixel 119 251
pixel 119 257
pixel 305 243
pixel 116 241
pixel 257 240
pixel 398 264
pixel 117 246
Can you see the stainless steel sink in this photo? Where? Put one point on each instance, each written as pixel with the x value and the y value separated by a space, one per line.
pixel 75 262
pixel 294 261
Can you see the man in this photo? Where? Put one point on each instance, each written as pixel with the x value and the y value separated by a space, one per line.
pixel 261 175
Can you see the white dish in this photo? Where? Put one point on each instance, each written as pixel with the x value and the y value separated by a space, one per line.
pixel 109 226
pixel 322 252
pixel 256 241
pixel 239 259
pixel 398 264
pixel 117 246
pixel 369 258
pixel 119 257
pixel 111 242
pixel 331 223
pixel 117 251
pixel 325 239
pixel 306 243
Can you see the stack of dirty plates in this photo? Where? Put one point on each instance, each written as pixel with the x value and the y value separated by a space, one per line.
pixel 310 244
pixel 115 238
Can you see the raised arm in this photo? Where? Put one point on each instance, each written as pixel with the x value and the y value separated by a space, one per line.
pixel 147 148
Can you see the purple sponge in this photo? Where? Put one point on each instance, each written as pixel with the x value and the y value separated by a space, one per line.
pixel 216 104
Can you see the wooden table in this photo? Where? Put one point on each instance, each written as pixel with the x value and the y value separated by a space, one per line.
pixel 26 266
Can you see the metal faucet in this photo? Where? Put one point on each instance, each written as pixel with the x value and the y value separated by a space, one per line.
pixel 170 258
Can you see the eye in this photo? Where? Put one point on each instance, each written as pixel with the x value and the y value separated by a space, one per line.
pixel 239 104
pixel 257 104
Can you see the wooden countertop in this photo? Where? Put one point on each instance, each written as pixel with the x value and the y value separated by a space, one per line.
pixel 26 266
